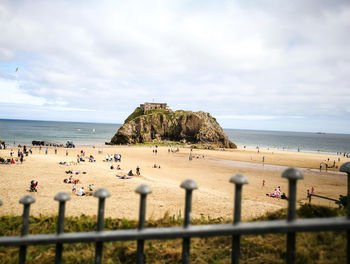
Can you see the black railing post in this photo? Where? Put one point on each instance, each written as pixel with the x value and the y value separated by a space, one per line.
pixel 292 175
pixel 189 186
pixel 101 194
pixel 238 180
pixel 143 190
pixel 346 168
pixel 61 197
pixel 26 201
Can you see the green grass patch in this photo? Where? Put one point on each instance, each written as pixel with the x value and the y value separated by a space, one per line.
pixel 137 112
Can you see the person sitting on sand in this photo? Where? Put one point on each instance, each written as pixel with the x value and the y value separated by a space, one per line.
pixel 274 194
pixel 74 189
pixel 130 173
pixel 91 187
pixel 92 159
pixel 118 167
pixel 33 185
pixel 284 196
pixel 81 192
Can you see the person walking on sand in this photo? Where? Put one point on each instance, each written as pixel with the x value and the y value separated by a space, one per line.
pixel 46 150
pixel 263 183
pixel 263 160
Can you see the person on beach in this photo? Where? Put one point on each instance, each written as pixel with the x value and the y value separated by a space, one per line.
pixel 284 196
pixel 46 150
pixel 263 183
pixel 33 185
pixel 66 152
pixel 320 166
pixel 263 159
pixel 312 190
pixel 138 171
pixel 81 192
pixel 56 150
pixel 74 189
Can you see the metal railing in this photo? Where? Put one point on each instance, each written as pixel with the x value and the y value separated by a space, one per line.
pixel 236 229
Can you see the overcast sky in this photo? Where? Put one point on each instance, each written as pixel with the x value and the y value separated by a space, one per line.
pixel 267 65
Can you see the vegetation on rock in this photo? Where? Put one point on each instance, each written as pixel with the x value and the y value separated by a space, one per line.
pixel 166 125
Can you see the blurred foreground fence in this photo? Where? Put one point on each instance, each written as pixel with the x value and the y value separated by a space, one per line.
pixel 236 229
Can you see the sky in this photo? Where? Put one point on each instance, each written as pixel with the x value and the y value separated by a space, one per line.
pixel 265 65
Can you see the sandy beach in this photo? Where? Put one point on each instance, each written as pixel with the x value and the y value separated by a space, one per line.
pixel 210 169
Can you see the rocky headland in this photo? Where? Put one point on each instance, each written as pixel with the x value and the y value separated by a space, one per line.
pixel 166 125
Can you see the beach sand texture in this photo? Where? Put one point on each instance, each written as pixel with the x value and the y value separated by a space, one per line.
pixel 212 172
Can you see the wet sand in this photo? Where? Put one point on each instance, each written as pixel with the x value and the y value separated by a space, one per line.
pixel 211 171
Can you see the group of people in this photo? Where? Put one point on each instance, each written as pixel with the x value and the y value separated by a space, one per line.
pixel 344 154
pixel 115 167
pixel 173 150
pixel 138 172
pixel 277 193
pixel 20 154
pixel 71 180
pixel 115 157
pixel 82 192
pixel 325 164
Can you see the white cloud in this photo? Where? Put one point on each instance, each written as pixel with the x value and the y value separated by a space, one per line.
pixel 11 93
pixel 228 58
pixel 256 117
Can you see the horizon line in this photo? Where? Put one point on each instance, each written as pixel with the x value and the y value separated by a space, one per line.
pixel 107 123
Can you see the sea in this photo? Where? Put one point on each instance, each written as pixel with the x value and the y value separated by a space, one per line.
pixel 23 132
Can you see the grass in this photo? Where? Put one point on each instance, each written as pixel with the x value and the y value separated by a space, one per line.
pixel 165 143
pixel 321 247
pixel 137 112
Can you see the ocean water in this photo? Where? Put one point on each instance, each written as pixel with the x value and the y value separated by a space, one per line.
pixel 25 131
pixel 291 141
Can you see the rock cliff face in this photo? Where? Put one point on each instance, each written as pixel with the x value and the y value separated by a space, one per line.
pixel 161 124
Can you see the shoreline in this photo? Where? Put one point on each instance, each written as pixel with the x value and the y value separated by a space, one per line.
pixel 239 147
